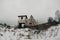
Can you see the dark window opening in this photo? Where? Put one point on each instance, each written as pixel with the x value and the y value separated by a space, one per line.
pixel 30 23
pixel 21 17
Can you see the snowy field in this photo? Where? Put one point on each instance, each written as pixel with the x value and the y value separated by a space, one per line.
pixel 52 33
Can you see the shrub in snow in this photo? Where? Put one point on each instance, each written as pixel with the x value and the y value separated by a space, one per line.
pixel 50 20
pixel 5 24
pixel 8 26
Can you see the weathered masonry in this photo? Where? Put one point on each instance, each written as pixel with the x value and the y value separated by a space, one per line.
pixel 24 21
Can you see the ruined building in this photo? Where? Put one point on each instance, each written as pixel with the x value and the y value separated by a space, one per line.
pixel 25 21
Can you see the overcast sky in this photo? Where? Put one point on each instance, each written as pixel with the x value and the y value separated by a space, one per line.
pixel 40 9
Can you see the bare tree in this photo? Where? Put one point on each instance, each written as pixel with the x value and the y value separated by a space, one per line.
pixel 57 15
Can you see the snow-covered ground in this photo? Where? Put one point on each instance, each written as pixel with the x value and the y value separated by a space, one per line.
pixel 52 33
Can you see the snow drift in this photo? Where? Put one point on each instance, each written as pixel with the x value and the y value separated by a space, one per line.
pixel 52 33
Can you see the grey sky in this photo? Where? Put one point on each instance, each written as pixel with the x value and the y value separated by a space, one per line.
pixel 40 9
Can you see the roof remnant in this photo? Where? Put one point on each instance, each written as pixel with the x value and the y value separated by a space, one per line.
pixel 22 16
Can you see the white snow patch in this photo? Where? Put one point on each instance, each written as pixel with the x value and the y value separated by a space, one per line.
pixel 52 33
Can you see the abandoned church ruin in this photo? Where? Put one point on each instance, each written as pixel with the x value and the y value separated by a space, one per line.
pixel 24 21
